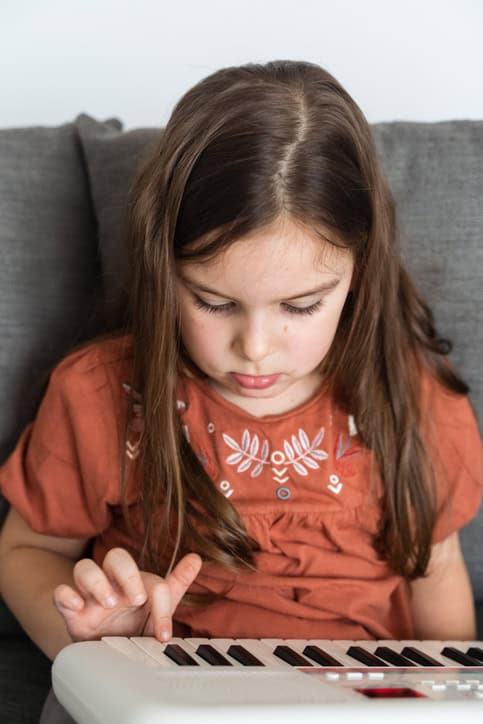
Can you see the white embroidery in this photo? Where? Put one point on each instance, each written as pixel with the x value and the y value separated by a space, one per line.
pixel 300 453
pixel 250 455
pixel 352 426
pixel 335 485
pixel 132 450
pixel 277 473
pixel 226 488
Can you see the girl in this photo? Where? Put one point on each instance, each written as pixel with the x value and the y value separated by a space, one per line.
pixel 277 432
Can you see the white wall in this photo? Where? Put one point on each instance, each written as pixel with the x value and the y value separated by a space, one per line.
pixel 409 60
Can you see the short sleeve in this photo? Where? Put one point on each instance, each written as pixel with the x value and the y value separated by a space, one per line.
pixel 62 475
pixel 453 441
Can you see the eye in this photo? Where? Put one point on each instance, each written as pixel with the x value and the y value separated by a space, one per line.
pixel 226 308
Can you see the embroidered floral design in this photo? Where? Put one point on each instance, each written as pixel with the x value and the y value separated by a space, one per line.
pixel 249 455
pixel 307 451
pixel 246 452
pixel 345 447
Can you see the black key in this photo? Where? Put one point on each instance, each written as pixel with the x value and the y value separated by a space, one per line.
pixel 320 656
pixel 212 656
pixel 243 656
pixel 419 657
pixel 392 656
pixel 456 655
pixel 365 657
pixel 475 652
pixel 290 656
pixel 181 657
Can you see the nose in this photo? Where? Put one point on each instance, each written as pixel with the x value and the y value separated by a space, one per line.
pixel 254 339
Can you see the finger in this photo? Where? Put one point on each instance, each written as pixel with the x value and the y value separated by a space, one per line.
pixel 67 599
pixel 182 576
pixel 121 567
pixel 166 594
pixel 161 611
pixel 91 580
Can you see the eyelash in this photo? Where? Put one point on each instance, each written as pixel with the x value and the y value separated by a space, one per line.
pixel 222 308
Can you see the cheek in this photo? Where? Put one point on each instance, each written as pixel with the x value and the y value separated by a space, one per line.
pixel 198 333
pixel 312 341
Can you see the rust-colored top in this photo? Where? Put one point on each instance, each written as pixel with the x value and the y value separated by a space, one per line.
pixel 299 479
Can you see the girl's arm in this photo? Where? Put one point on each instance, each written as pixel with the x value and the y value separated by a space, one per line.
pixel 31 566
pixel 442 603
pixel 59 599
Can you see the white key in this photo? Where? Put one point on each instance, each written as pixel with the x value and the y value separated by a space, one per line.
pixel 125 646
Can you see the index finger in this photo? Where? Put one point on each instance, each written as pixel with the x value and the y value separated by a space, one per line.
pixel 167 593
pixel 182 576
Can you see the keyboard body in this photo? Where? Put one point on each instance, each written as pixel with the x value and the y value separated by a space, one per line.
pixel 222 681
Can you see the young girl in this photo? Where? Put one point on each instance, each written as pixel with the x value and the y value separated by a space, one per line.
pixel 277 432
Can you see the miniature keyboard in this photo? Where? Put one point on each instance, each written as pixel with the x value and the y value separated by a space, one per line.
pixel 229 681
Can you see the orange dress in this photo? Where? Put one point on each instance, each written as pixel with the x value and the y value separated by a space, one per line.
pixel 300 481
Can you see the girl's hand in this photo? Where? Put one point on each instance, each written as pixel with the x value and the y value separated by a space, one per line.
pixel 120 600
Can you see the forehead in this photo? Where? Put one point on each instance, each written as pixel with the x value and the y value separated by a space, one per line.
pixel 281 252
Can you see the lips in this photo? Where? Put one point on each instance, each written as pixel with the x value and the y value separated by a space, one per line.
pixel 255 383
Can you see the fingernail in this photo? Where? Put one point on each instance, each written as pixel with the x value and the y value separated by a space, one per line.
pixel 165 635
pixel 140 598
pixel 110 601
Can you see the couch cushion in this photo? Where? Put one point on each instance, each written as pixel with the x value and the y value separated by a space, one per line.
pixel 435 171
pixel 112 157
pixel 50 278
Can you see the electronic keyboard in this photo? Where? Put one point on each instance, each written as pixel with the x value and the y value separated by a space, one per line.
pixel 232 681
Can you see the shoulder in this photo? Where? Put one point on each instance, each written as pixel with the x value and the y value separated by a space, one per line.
pixel 446 412
pixel 452 439
pixel 96 364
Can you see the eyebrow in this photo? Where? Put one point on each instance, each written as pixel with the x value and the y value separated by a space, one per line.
pixel 327 287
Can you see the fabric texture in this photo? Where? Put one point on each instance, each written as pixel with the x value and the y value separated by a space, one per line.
pixel 435 172
pixel 112 157
pixel 300 480
pixel 50 281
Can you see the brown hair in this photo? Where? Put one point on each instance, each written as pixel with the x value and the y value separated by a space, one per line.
pixel 242 148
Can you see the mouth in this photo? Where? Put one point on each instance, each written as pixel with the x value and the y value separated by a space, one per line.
pixel 255 382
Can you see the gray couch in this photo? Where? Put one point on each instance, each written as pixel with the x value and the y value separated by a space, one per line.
pixel 62 203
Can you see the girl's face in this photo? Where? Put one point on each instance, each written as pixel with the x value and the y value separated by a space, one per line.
pixel 269 305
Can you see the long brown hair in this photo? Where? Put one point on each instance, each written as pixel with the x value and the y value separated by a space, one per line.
pixel 242 148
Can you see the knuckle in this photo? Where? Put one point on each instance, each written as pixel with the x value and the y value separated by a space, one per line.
pixel 115 556
pixel 85 564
